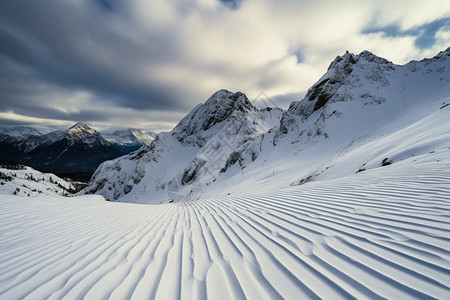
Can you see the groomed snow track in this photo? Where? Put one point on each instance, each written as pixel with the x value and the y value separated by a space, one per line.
pixel 383 233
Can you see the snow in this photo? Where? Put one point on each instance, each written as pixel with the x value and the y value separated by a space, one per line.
pixel 129 136
pixel 28 182
pixel 80 128
pixel 382 233
pixel 27 139
pixel 82 133
pixel 19 131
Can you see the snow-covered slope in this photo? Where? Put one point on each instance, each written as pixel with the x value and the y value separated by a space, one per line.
pixel 362 92
pixel 365 112
pixel 16 179
pixel 381 234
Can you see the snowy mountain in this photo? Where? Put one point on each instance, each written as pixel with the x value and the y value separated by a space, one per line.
pixel 128 140
pixel 365 112
pixel 14 145
pixel 363 100
pixel 78 149
pixel 20 180
pixel 227 127
pixel 19 131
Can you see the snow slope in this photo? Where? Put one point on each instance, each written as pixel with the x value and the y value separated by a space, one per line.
pixel 25 181
pixel 406 140
pixel 383 233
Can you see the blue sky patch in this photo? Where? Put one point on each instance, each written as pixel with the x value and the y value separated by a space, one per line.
pixel 425 34
pixel 299 55
pixel 234 4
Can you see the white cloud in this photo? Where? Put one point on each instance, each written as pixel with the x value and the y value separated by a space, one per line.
pixel 252 47
pixel 408 13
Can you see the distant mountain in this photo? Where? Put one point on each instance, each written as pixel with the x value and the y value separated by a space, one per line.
pixel 80 149
pixel 15 141
pixel 128 140
pixel 364 113
pixel 19 131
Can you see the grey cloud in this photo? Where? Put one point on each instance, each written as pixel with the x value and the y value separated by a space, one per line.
pixel 70 47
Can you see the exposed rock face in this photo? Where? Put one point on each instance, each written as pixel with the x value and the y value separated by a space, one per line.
pixel 194 129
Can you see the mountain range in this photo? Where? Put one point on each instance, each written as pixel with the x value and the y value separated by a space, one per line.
pixel 80 149
pixel 365 112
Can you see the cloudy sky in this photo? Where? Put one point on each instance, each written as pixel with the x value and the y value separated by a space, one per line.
pixel 146 63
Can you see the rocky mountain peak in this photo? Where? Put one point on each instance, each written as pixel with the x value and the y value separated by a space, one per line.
pixel 441 57
pixel 345 71
pixel 221 105
pixel 217 109
pixel 80 128
pixel 344 63
pixel 445 53
pixel 82 133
